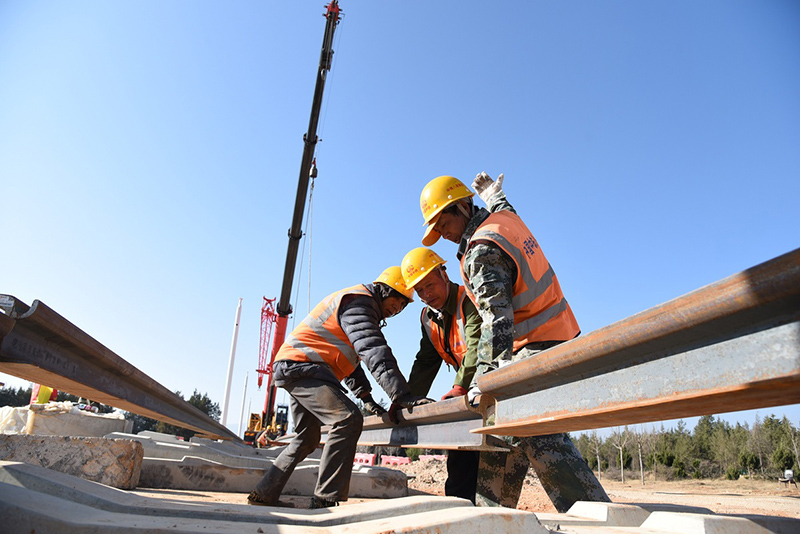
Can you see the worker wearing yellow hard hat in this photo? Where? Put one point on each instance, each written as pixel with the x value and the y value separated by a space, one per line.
pixel 446 319
pixel 523 310
pixel 328 347
pixel 441 193
pixel 393 279
pixel 499 240
pixel 450 330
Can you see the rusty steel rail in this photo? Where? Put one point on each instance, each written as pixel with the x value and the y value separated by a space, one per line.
pixel 447 424
pixel 38 344
pixel 732 345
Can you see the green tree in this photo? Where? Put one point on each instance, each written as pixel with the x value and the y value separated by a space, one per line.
pixel 749 461
pixel 702 436
pixel 782 459
pixel 682 442
pixel 726 443
pixel 15 397
pixel 759 444
pixel 200 401
pixel 732 473
pixel 205 404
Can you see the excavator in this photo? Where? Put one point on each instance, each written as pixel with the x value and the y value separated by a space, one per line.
pixel 257 435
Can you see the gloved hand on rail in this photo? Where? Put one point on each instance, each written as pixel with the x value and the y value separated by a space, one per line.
pixel 406 401
pixel 393 409
pixel 457 391
pixel 371 406
pixel 486 187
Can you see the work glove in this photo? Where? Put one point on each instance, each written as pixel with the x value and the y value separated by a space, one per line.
pixel 406 401
pixel 457 391
pixel 473 393
pixel 486 187
pixel 393 409
pixel 371 406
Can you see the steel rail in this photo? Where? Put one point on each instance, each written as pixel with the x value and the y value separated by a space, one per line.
pixel 729 346
pixel 445 425
pixel 39 345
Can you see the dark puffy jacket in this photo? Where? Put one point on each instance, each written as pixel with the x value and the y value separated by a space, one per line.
pixel 360 317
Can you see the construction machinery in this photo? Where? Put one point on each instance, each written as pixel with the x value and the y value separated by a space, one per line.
pixel 274 319
pixel 258 435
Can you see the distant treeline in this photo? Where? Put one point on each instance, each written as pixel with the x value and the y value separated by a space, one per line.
pixel 714 449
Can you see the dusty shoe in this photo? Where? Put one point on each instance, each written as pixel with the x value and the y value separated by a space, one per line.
pixel 316 502
pixel 255 498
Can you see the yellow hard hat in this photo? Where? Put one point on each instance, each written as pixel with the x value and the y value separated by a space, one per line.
pixel 418 263
pixel 392 278
pixel 438 194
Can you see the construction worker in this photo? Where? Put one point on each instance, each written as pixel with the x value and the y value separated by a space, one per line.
pixel 523 311
pixel 450 330
pixel 326 348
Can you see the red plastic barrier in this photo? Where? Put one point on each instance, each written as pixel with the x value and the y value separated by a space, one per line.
pixel 364 458
pixel 394 460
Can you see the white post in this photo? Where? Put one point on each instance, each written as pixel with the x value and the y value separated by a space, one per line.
pixel 241 412
pixel 230 364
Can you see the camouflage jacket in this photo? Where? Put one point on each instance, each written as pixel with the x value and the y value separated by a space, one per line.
pixel 490 275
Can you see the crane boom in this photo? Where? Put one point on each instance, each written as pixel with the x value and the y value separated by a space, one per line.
pixel 284 308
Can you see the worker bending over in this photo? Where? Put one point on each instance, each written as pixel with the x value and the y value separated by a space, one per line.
pixel 450 330
pixel 323 350
pixel 524 312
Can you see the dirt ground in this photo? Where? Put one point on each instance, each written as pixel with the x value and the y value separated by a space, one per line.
pixel 740 497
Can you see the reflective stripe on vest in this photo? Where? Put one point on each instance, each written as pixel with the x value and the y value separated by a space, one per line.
pixel 541 313
pixel 457 342
pixel 319 338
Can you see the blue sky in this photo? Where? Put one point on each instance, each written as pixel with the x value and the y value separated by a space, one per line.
pixel 149 155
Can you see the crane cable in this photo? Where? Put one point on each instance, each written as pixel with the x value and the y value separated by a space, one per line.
pixel 307 234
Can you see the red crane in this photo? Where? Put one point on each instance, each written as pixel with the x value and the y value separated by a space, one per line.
pixel 274 319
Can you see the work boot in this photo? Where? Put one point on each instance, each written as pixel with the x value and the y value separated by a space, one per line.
pixel 318 502
pixel 258 500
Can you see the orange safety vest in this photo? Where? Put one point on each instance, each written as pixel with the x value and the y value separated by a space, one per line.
pixel 320 338
pixel 457 345
pixel 541 313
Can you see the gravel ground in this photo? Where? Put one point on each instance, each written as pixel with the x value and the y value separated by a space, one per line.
pixel 748 497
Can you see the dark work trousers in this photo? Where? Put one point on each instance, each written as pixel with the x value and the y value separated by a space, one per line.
pixel 462 474
pixel 315 403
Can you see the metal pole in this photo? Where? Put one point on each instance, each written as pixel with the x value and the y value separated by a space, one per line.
pixel 230 363
pixel 241 412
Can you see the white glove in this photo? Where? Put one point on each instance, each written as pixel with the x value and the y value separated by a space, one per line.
pixel 486 187
pixel 473 392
